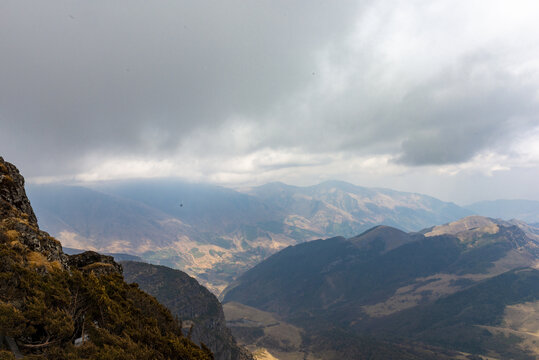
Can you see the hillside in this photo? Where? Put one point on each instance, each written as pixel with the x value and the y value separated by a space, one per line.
pixel 190 302
pixel 87 219
pixel 379 281
pixel 57 306
pixel 497 315
pixel 214 233
pixel 172 230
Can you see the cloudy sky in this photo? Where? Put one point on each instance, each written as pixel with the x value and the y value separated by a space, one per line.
pixel 437 97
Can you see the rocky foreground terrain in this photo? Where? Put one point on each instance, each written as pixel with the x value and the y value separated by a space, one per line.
pixel 201 313
pixel 55 306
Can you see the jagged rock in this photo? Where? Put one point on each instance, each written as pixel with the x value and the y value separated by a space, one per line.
pixel 18 219
pixel 12 190
pixel 94 262
pixel 192 303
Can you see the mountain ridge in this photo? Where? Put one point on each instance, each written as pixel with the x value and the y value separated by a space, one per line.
pixel 335 284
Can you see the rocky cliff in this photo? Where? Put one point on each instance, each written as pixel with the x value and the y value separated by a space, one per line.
pixel 192 303
pixel 18 219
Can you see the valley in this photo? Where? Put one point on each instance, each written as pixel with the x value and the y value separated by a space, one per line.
pixel 214 233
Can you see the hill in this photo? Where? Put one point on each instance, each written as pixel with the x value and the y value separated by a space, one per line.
pixel 342 291
pixel 57 306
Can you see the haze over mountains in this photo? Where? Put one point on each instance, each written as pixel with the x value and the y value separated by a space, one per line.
pixel 216 233
pixel 406 287
pixel 525 210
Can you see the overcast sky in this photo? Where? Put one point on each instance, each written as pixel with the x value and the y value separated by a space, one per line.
pixel 436 97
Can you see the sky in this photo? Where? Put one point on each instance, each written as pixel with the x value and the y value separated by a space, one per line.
pixel 435 97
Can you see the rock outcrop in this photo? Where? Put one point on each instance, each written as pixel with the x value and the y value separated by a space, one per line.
pixel 18 220
pixel 192 303
pixel 95 262
pixel 12 191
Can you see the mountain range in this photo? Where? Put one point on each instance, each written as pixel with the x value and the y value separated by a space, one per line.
pixel 466 289
pixel 214 233
pixel 469 287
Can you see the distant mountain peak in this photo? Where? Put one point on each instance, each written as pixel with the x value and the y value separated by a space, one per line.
pixel 477 231
pixel 204 229
pixel 390 237
pixel 470 223
pixel 336 183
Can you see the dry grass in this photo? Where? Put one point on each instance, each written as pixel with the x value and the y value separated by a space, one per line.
pixel 97 265
pixel 17 245
pixel 38 260
pixel 477 225
pixel 521 320
pixel 23 219
pixel 263 354
pixel 13 235
pixel 443 284
pixel 285 337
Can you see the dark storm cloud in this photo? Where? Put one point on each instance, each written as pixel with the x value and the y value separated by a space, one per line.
pixel 138 77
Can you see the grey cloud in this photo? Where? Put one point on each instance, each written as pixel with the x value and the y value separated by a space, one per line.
pixel 138 77
pixel 481 112
pixel 471 106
